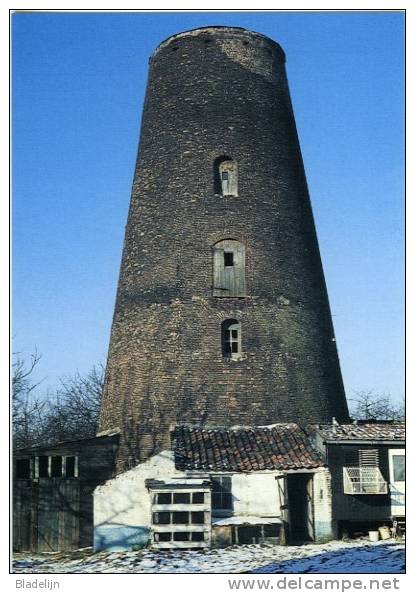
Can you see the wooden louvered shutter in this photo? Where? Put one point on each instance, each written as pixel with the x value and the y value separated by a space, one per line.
pixel 369 457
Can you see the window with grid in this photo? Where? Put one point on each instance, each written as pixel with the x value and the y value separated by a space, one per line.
pixel 222 493
pixel 231 338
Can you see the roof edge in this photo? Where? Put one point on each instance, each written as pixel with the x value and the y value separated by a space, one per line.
pixel 217 29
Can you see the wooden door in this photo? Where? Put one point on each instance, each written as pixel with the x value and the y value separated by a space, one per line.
pixel 229 269
pixel 284 508
pixel 310 507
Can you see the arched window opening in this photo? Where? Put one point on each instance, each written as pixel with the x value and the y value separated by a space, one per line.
pixel 231 338
pixel 229 269
pixel 226 176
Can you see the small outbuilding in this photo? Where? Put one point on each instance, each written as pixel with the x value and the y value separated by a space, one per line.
pixel 53 492
pixel 218 487
pixel 366 461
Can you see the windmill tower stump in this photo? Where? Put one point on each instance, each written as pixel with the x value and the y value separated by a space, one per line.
pixel 222 315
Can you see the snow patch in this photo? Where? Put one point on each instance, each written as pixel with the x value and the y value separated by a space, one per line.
pixel 356 556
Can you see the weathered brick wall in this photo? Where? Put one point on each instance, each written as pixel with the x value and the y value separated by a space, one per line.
pixel 214 92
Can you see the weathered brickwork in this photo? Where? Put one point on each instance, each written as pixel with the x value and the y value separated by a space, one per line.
pixel 324 527
pixel 217 92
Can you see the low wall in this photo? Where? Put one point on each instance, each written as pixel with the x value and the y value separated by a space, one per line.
pixel 122 506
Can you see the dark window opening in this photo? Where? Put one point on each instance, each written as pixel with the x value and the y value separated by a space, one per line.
pixel 162 537
pixel 56 466
pixel 271 530
pixel 181 536
pixel 162 518
pixel 70 467
pixel 43 466
pixel 235 347
pixel 222 492
pixel 180 518
pixel 198 518
pixel 249 534
pixel 181 498
pixel 198 536
pixel 164 498
pixel 225 175
pixel 222 501
pixel 228 258
pixel 23 469
pixel 351 458
pixel 198 497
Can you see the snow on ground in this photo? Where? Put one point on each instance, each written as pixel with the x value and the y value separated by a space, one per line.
pixel 336 556
pixel 370 559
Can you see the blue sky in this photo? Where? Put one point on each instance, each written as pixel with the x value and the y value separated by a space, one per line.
pixel 78 86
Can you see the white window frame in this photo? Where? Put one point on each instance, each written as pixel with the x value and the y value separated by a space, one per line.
pixel 229 339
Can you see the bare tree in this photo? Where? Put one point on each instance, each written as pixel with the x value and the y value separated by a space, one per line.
pixel 28 408
pixel 68 413
pixel 73 409
pixel 367 405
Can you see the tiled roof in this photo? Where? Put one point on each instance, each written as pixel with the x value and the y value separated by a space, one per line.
pixel 244 449
pixel 370 431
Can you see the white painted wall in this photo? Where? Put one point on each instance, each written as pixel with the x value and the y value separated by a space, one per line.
pixel 322 500
pixel 122 506
pixel 125 499
pixel 255 494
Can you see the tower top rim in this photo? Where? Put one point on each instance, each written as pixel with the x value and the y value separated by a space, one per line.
pixel 218 30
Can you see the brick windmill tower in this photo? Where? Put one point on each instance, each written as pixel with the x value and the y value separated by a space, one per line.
pixel 222 315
